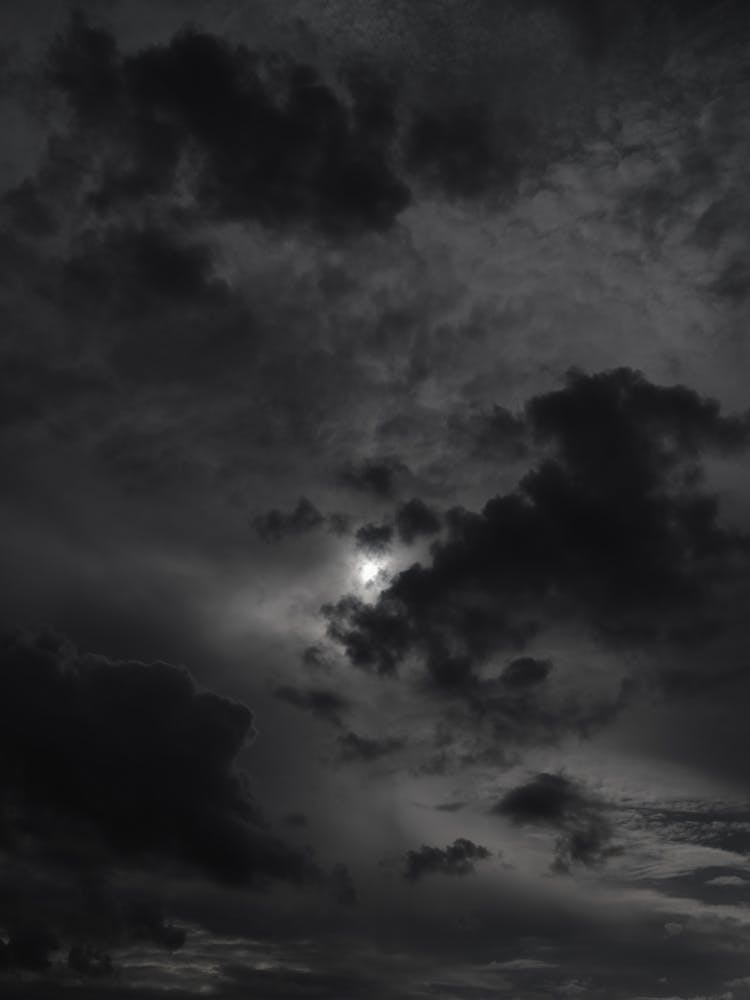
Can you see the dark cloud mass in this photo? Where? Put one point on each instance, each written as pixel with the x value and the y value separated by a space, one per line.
pixel 613 526
pixel 261 136
pixel 415 519
pixel 456 859
pixel 525 672
pixel 264 139
pixel 374 427
pixel 130 758
pixel 554 801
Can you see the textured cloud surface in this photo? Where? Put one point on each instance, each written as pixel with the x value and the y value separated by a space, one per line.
pixel 374 547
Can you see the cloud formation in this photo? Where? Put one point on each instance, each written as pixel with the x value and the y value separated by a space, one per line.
pixel 458 858
pixel 252 137
pixel 326 253
pixel 415 519
pixel 128 759
pixel 554 801
pixel 612 528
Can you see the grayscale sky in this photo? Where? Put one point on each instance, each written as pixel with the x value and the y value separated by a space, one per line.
pixel 374 555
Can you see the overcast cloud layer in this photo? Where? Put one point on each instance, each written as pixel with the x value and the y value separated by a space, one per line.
pixel 375 553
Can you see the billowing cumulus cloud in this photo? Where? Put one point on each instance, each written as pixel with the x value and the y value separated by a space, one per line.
pixel 130 758
pixel 612 527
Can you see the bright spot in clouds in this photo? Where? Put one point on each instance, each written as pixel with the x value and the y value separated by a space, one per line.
pixel 369 570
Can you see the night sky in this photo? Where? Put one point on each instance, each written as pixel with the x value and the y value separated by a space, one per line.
pixel 375 549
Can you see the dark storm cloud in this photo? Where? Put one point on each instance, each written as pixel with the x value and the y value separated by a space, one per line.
pixel 547 798
pixel 456 859
pixel 525 672
pixel 554 801
pixel 275 524
pixel 353 747
pixel 613 528
pixel 324 704
pixel 253 134
pixel 128 760
pixel 262 138
pixel 414 519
